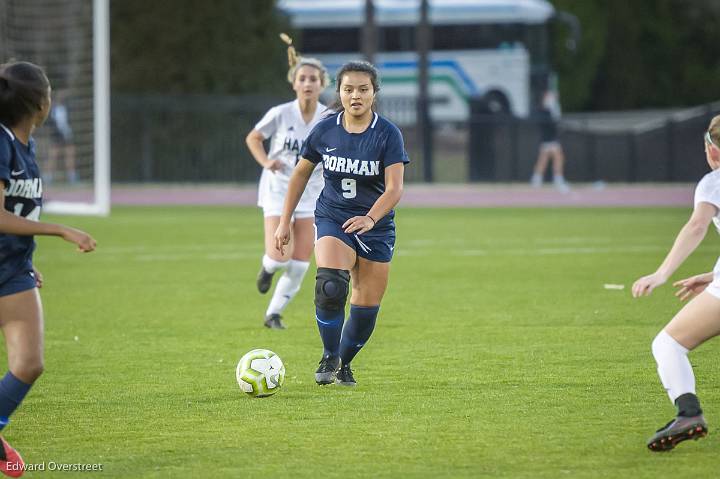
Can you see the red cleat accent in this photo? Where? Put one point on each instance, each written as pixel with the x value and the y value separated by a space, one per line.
pixel 13 465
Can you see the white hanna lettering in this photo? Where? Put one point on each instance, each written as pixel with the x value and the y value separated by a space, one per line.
pixel 348 165
pixel 293 145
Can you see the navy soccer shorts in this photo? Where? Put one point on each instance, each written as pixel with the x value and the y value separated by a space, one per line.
pixel 21 281
pixel 374 245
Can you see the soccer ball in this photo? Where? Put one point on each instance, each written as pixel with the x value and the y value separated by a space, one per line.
pixel 260 373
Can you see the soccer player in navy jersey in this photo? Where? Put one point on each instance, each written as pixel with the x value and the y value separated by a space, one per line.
pixel 363 159
pixel 24 105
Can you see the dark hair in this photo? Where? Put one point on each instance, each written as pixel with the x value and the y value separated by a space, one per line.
pixel 355 66
pixel 23 91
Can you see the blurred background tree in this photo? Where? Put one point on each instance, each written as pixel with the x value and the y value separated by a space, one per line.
pixel 633 54
pixel 197 46
pixel 641 54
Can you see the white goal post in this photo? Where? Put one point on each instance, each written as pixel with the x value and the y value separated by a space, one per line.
pixel 71 40
pixel 101 120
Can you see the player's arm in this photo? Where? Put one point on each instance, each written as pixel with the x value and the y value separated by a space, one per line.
pixel 687 240
pixel 16 225
pixel 254 141
pixel 383 205
pixel 689 287
pixel 298 181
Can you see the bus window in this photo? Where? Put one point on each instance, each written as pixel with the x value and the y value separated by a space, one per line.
pixel 397 38
pixel 330 40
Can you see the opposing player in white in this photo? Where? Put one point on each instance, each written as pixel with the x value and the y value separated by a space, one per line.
pixel 288 125
pixel 699 320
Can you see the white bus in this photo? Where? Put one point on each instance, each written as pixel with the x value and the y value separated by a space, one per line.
pixel 497 49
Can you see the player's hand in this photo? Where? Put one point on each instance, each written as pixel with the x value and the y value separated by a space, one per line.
pixel 692 286
pixel 84 241
pixel 358 224
pixel 38 278
pixel 645 285
pixel 274 165
pixel 282 237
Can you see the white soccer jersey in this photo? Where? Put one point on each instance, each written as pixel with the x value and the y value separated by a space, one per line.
pixel 285 126
pixel 708 191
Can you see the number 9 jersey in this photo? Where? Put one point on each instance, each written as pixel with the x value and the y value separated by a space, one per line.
pixel 23 197
pixel 354 166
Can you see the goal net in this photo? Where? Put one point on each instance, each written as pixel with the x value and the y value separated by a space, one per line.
pixel 70 39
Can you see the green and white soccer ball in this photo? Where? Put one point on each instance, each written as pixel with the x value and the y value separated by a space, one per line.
pixel 260 373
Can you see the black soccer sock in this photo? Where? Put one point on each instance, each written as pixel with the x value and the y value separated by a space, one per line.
pixel 688 405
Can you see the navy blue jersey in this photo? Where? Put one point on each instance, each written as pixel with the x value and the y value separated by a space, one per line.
pixel 23 197
pixel 353 166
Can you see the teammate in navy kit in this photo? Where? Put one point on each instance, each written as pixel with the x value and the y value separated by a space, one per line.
pixel 288 125
pixel 24 105
pixel 363 159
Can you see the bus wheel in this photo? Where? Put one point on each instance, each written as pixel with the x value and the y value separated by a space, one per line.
pixel 497 102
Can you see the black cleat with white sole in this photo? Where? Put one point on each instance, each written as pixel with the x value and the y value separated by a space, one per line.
pixel 344 376
pixel 325 373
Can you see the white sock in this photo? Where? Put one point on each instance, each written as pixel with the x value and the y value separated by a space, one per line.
pixel 287 286
pixel 674 367
pixel 272 265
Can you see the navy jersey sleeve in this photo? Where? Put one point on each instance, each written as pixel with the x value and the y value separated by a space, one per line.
pixel 5 156
pixel 395 149
pixel 310 151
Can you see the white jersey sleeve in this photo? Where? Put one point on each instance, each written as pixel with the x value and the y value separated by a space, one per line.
pixel 268 124
pixel 287 130
pixel 708 189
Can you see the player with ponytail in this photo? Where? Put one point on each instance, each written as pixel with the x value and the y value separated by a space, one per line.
pixel 287 125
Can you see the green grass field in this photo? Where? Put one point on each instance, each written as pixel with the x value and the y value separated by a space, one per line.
pixel 498 353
